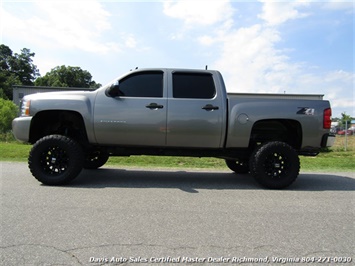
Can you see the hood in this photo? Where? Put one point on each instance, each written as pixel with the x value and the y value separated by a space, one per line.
pixel 57 94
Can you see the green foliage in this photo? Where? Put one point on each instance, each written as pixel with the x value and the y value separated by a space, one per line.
pixel 15 69
pixel 67 76
pixel 8 111
pixel 7 137
pixel 345 118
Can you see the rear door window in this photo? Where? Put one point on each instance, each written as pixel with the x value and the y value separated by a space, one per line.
pixel 193 85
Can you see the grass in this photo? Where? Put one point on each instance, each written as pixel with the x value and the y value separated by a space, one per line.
pixel 335 159
pixel 329 162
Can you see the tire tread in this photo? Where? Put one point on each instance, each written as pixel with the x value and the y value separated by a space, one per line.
pixel 75 155
pixel 256 167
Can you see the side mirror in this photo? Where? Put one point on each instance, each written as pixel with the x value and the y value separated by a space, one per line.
pixel 114 91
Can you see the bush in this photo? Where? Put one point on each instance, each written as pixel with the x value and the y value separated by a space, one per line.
pixel 8 111
pixel 7 137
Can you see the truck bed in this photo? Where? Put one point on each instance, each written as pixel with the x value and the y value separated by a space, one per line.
pixel 277 96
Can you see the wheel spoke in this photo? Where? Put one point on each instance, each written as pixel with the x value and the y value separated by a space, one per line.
pixel 95 159
pixel 54 160
pixel 276 165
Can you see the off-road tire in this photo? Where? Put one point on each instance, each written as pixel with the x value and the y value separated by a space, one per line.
pixel 95 159
pixel 238 166
pixel 55 160
pixel 275 165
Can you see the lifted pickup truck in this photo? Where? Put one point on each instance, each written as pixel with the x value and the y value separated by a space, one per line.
pixel 173 112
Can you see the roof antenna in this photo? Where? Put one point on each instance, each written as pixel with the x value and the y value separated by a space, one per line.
pixel 206 67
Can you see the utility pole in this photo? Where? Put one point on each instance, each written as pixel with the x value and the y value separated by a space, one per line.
pixel 346 135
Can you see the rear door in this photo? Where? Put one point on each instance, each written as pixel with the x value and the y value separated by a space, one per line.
pixel 195 111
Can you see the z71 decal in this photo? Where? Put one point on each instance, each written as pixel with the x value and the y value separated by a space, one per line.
pixel 305 111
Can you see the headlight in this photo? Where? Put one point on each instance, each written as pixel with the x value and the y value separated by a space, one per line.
pixel 25 107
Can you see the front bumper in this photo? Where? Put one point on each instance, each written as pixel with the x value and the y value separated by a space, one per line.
pixel 21 128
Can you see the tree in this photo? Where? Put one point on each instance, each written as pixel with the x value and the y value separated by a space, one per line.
pixel 344 118
pixel 67 76
pixel 8 111
pixel 15 69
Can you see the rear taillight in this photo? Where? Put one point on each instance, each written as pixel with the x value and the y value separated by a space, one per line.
pixel 327 118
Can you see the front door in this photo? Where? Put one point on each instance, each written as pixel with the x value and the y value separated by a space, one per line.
pixel 137 116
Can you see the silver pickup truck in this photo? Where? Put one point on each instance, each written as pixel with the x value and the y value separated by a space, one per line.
pixel 173 112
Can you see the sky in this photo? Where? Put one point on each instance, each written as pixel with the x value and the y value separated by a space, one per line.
pixel 258 46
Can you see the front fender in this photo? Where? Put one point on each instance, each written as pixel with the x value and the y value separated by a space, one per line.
pixel 80 103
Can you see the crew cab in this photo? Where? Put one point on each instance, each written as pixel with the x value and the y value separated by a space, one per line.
pixel 172 112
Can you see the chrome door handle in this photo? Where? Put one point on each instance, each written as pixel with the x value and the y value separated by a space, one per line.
pixel 210 107
pixel 154 106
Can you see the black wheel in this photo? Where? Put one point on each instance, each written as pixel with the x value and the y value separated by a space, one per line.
pixel 238 166
pixel 275 165
pixel 95 159
pixel 55 160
